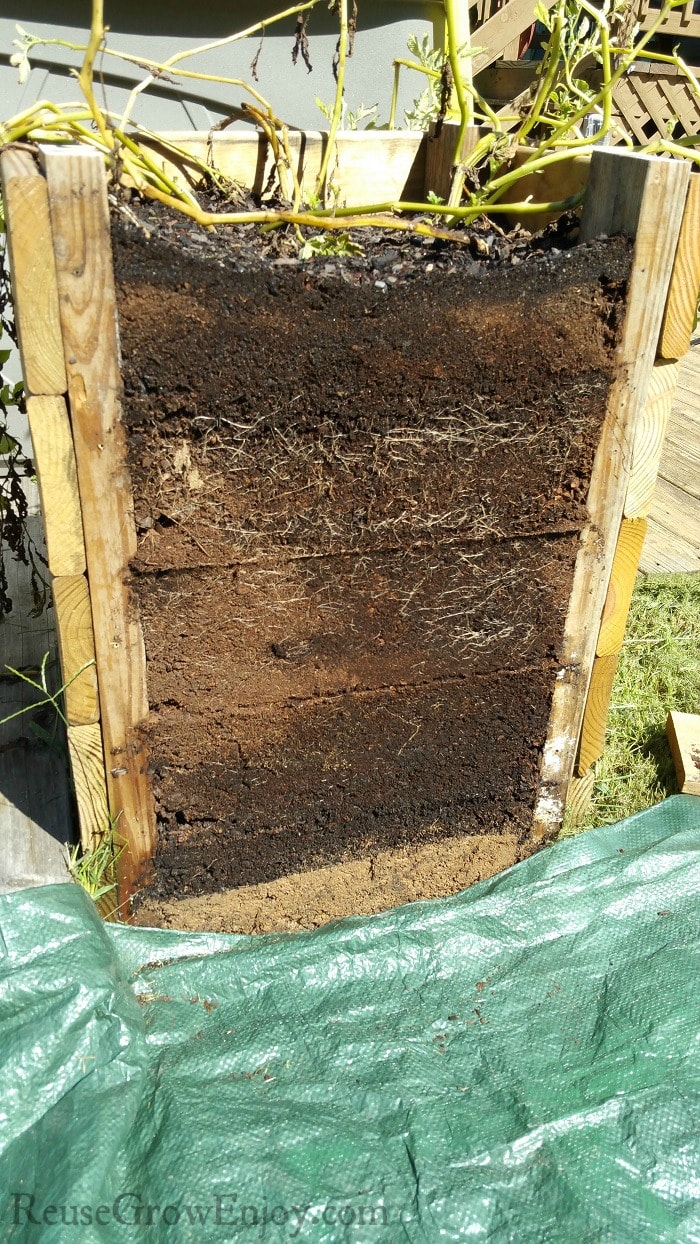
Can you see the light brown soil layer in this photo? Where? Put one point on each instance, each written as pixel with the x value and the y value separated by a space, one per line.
pixel 357 887
pixel 359 504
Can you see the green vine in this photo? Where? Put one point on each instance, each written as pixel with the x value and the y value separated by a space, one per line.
pixel 548 123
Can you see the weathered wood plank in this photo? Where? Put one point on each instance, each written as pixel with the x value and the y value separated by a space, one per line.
pixel 87 764
pixel 54 461
pixel 643 197
pixel 503 28
pixel 619 182
pixel 683 731
pixel 439 156
pixel 80 225
pixel 76 646
pixel 621 585
pixel 667 552
pixel 595 718
pixel 33 273
pixel 685 282
pixel 677 510
pixel 370 167
pixel 649 439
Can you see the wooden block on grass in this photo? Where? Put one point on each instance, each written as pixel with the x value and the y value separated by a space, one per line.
pixel 683 293
pixel 88 766
pixel 33 269
pixel 683 730
pixel 77 648
pixel 595 717
pixel 622 578
pixel 649 439
pixel 54 462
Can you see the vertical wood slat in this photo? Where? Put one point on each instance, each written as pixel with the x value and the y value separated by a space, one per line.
pixel 683 732
pixel 33 274
pixel 649 439
pixel 644 198
pixel 685 282
pixel 35 299
pixel 439 155
pixel 54 463
pixel 87 764
pixel 81 238
pixel 595 718
pixel 77 649
pixel 579 797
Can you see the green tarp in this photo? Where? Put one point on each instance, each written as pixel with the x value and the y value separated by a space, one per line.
pixel 518 1063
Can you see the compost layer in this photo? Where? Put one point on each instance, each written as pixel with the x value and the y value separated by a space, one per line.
pixel 358 484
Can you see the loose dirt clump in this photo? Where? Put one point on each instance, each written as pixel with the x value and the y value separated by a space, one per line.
pixel 359 484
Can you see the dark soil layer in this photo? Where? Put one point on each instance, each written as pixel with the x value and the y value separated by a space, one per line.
pixel 359 485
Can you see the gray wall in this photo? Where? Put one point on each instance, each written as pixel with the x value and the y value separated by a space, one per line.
pixel 157 30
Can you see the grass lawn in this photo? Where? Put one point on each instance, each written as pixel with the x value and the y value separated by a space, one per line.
pixel 659 670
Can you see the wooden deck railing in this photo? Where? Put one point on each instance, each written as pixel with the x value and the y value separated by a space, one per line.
pixel 497 26
pixel 683 21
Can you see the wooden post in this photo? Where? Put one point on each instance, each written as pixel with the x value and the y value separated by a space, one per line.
pixel 645 198
pixel 685 281
pixel 649 439
pixel 81 239
pixel 54 462
pixel 621 585
pixel 33 273
pixel 439 156
pixel 35 296
pixel 646 455
pixel 683 730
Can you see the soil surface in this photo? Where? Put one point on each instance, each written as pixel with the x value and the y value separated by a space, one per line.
pixel 358 484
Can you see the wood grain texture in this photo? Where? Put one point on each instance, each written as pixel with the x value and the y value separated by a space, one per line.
pixel 54 462
pixel 33 273
pixel 667 552
pixel 439 156
pixel 685 281
pixel 76 647
pixel 370 166
pixel 683 731
pixel 501 29
pixel 681 467
pixel 677 510
pixel 80 225
pixel 595 718
pixel 649 439
pixel 649 210
pixel 578 799
pixel 88 767
pixel 621 585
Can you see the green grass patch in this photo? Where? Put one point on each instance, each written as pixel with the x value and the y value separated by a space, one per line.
pixel 658 670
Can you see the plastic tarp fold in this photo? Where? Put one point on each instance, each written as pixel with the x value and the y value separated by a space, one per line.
pixel 518 1063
